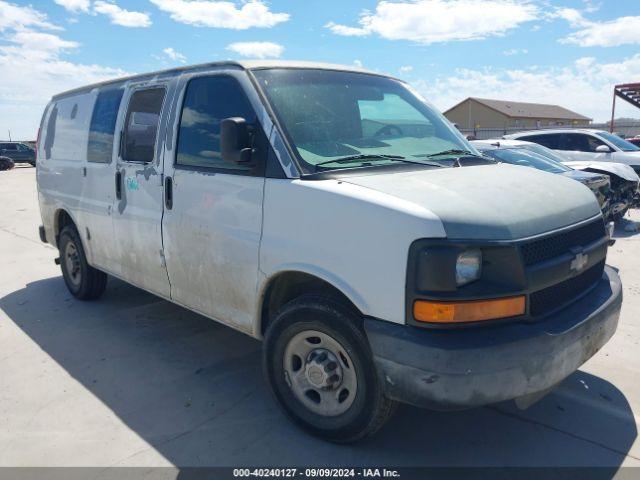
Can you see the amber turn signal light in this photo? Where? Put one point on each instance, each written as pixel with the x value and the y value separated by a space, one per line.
pixel 469 311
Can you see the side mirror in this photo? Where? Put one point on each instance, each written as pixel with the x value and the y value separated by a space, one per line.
pixel 603 149
pixel 235 141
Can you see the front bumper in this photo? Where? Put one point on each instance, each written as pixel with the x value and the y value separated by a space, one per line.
pixel 469 367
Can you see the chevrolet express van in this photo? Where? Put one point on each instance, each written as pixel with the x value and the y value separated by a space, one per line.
pixel 336 215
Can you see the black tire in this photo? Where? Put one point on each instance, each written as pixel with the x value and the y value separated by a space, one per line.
pixel 83 281
pixel 369 409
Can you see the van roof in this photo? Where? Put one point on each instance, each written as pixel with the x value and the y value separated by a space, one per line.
pixel 241 64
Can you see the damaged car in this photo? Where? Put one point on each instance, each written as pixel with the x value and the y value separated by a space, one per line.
pixel 625 183
pixel 517 153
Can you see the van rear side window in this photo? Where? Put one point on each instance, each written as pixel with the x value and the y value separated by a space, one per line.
pixel 68 128
pixel 141 127
pixel 103 124
pixel 51 132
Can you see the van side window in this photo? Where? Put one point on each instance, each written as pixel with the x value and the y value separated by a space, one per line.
pixel 141 126
pixel 207 101
pixel 103 123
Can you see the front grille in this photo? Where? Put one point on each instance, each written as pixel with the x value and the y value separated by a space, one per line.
pixel 553 246
pixel 551 298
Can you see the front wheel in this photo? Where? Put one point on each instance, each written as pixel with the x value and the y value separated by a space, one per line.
pixel 320 369
pixel 83 281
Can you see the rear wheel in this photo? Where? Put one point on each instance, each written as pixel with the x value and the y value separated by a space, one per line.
pixel 83 281
pixel 320 369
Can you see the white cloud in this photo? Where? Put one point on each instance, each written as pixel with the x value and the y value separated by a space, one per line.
pixel 174 55
pixel 346 31
pixel 621 31
pixel 357 63
pixel 514 51
pixel 122 17
pixel 431 21
pixel 586 86
pixel 221 14
pixel 406 69
pixel 16 17
pixel 257 49
pixel 571 15
pixel 33 69
pixel 74 6
pixel 37 44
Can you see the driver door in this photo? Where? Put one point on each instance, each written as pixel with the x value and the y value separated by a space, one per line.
pixel 213 219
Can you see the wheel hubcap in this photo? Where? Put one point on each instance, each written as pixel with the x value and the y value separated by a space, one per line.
pixel 323 369
pixel 320 373
pixel 72 261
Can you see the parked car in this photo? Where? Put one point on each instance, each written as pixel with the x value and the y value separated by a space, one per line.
pixel 625 182
pixel 516 153
pixel 18 152
pixel 635 140
pixel 585 145
pixel 315 207
pixel 6 163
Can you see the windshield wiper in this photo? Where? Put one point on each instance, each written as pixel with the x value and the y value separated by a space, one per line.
pixel 453 151
pixel 376 156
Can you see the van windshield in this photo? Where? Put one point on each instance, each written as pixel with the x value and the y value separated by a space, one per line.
pixel 336 119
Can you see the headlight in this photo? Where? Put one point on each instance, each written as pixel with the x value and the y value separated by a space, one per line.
pixel 468 266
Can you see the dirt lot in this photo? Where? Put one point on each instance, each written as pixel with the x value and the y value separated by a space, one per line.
pixel 134 380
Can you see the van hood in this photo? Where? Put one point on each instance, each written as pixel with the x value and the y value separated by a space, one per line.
pixel 491 202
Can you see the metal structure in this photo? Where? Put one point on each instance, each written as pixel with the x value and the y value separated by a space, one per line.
pixel 629 92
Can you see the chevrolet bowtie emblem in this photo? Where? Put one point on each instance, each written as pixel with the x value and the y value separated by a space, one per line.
pixel 579 262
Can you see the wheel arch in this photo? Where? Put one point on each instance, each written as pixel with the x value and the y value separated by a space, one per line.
pixel 284 286
pixel 61 219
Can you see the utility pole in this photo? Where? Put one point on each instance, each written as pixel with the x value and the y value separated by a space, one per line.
pixel 613 111
pixel 9 134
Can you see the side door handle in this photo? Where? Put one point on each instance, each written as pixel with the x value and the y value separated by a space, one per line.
pixel 168 193
pixel 120 144
pixel 119 185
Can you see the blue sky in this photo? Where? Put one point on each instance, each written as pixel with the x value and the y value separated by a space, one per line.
pixel 568 52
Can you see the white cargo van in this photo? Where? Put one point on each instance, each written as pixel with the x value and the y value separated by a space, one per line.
pixel 335 214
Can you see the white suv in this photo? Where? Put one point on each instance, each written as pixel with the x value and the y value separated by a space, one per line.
pixel 585 145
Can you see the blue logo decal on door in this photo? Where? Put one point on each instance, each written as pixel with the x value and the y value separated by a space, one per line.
pixel 132 184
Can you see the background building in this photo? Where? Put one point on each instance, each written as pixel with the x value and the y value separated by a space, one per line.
pixel 480 113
